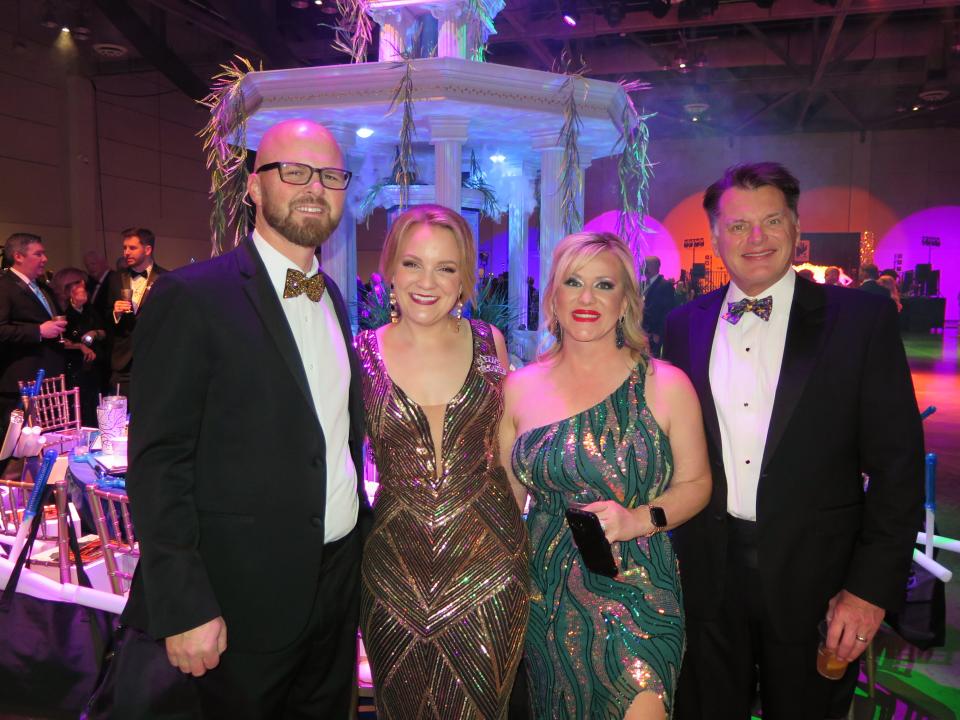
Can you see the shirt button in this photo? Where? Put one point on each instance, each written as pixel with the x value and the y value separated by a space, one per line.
pixel 748 349
pixel 748 462
pixel 746 404
pixel 316 521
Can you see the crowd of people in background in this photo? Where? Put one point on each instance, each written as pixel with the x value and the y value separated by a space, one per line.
pixel 74 321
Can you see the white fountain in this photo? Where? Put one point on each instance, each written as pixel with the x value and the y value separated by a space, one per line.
pixel 461 104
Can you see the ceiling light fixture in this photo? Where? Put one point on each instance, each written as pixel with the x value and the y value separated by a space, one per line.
pixel 498 158
pixel 569 14
pixel 364 132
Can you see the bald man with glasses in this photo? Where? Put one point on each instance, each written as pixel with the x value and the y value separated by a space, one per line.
pixel 245 455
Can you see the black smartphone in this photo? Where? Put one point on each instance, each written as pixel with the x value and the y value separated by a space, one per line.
pixel 591 542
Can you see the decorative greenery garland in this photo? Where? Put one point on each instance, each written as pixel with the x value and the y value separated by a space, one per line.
pixel 226 160
pixel 634 170
pixel 355 29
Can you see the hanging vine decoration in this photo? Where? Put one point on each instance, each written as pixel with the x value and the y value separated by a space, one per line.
pixel 225 144
pixel 477 180
pixel 634 170
pixel 354 30
pixel 478 29
pixel 571 173
pixel 405 164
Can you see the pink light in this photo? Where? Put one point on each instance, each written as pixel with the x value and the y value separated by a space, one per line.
pixel 569 20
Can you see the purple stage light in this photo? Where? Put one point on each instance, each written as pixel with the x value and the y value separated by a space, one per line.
pixel 570 19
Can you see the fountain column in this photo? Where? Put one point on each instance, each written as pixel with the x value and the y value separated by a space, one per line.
pixel 551 221
pixel 394 23
pixel 519 232
pixel 447 135
pixel 339 252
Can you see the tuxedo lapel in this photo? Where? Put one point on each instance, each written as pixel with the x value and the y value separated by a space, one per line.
pixel 151 279
pixel 809 324
pixel 703 326
pixel 32 297
pixel 264 298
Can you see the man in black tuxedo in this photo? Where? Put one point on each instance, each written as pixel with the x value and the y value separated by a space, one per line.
pixel 869 274
pixel 127 293
pixel 803 388
pixel 658 301
pixel 29 336
pixel 245 454
pixel 97 284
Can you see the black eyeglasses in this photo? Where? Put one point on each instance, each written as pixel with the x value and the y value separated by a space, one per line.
pixel 301 174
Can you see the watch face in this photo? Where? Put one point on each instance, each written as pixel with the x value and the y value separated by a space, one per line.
pixel 658 517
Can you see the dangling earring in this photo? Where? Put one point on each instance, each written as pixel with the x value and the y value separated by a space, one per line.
pixel 558 332
pixel 458 316
pixel 394 311
pixel 621 341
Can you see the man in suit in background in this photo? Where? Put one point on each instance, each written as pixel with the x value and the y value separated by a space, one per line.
pixel 658 301
pixel 98 282
pixel 127 292
pixel 868 281
pixel 29 334
pixel 804 387
pixel 245 454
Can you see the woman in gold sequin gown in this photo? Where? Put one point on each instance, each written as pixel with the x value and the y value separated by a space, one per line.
pixel 444 576
pixel 597 421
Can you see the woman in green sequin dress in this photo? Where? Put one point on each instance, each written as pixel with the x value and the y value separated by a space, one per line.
pixel 623 432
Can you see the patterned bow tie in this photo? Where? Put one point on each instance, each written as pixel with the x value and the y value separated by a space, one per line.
pixel 761 308
pixel 298 284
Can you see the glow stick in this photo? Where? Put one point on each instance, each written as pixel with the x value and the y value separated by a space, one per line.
pixel 33 504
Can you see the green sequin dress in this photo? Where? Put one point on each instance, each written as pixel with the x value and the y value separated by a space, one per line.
pixel 593 643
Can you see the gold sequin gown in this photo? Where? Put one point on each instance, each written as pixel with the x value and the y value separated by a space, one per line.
pixel 595 642
pixel 444 577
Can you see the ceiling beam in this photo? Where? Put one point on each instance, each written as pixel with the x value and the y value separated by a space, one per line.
pixel 859 37
pixel 773 46
pixel 212 23
pixel 139 34
pixel 825 56
pixel 536 47
pixel 847 110
pixel 252 18
pixel 764 110
pixel 592 25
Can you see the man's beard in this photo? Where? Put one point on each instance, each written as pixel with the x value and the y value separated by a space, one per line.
pixel 309 231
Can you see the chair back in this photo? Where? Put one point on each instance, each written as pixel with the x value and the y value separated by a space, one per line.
pixel 55 407
pixel 111 515
pixel 13 502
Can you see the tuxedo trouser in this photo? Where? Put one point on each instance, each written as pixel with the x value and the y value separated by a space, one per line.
pixel 314 677
pixel 727 656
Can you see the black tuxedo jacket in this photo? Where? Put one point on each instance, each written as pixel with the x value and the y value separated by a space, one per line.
pixel 227 478
pixel 121 332
pixel 844 405
pixel 22 350
pixel 874 288
pixel 99 295
pixel 658 301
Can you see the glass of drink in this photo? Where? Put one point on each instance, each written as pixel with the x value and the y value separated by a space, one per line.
pixel 60 318
pixel 126 294
pixel 828 664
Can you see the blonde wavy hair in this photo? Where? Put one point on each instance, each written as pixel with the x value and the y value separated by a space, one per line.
pixel 571 254
pixel 438 216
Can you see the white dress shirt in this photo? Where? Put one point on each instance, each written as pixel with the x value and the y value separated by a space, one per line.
pixel 323 351
pixel 745 365
pixel 138 285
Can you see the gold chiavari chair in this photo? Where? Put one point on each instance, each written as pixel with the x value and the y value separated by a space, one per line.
pixel 55 408
pixel 115 528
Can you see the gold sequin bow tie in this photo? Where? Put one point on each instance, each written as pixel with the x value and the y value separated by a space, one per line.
pixel 299 284
pixel 761 308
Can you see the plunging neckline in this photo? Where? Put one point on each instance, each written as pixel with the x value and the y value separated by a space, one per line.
pixel 422 420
